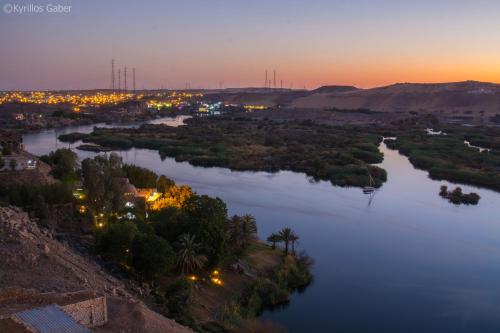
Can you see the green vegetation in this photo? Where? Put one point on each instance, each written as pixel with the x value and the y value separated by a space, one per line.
pixel 140 177
pixel 293 273
pixel 102 180
pixel 447 157
pixel 72 137
pixel 152 255
pixel 64 163
pixel 458 197
pixel 341 155
pixel 36 197
pixel 178 297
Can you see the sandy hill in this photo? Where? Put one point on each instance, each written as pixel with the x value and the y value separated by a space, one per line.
pixel 266 97
pixel 455 97
pixel 36 269
pixel 333 89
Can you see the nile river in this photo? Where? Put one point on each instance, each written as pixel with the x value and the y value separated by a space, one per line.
pixel 408 262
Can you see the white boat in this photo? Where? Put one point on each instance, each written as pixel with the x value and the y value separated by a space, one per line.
pixel 368 189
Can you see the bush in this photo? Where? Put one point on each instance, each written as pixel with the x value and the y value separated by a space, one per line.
pixel 260 294
pixel 178 299
pixel 152 255
pixel 294 273
pixel 116 242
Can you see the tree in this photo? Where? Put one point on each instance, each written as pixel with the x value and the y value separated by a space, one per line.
pixel 103 181
pixel 152 255
pixel 168 223
pixel 64 164
pixel 116 243
pixel 273 239
pixel 293 238
pixel 163 184
pixel 189 258
pixel 285 235
pixel 242 230
pixel 140 177
pixel 2 163
pixel 206 218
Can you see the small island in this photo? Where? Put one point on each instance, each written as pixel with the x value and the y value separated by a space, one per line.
pixel 93 148
pixel 457 197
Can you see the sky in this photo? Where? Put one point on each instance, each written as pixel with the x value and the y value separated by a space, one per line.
pixel 209 43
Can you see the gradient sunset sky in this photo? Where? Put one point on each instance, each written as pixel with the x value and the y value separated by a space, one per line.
pixel 309 42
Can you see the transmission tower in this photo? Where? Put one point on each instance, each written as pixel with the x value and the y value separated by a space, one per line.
pixel 133 78
pixel 125 78
pixel 113 75
pixel 119 80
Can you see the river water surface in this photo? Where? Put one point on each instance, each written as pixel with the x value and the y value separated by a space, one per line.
pixel 409 261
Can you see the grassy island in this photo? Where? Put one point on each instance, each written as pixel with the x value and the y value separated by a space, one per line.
pixel 458 154
pixel 457 197
pixel 342 155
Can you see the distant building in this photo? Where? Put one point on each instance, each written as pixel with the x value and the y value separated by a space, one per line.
pixel 211 109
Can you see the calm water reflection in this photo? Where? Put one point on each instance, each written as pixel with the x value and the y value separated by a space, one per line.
pixel 409 262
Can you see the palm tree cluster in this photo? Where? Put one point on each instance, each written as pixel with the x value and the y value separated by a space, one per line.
pixel 242 230
pixel 285 236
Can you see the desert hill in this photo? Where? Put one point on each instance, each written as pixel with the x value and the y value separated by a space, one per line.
pixel 439 97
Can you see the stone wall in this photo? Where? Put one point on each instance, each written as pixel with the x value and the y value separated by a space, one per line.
pixel 90 313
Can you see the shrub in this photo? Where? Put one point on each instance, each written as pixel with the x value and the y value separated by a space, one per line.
pixel 178 297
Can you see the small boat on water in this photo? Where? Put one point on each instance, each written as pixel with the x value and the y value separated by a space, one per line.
pixel 370 188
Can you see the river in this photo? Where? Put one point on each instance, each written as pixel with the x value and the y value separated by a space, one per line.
pixel 408 262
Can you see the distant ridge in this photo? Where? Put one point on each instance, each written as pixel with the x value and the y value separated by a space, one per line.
pixel 465 96
pixel 334 89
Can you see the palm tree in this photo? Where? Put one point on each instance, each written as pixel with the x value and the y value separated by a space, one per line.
pixel 293 238
pixel 242 230
pixel 285 235
pixel 248 228
pixel 189 258
pixel 273 239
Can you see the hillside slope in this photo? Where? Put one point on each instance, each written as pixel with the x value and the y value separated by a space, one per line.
pixel 36 269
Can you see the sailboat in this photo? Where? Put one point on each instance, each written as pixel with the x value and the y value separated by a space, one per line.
pixel 369 189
